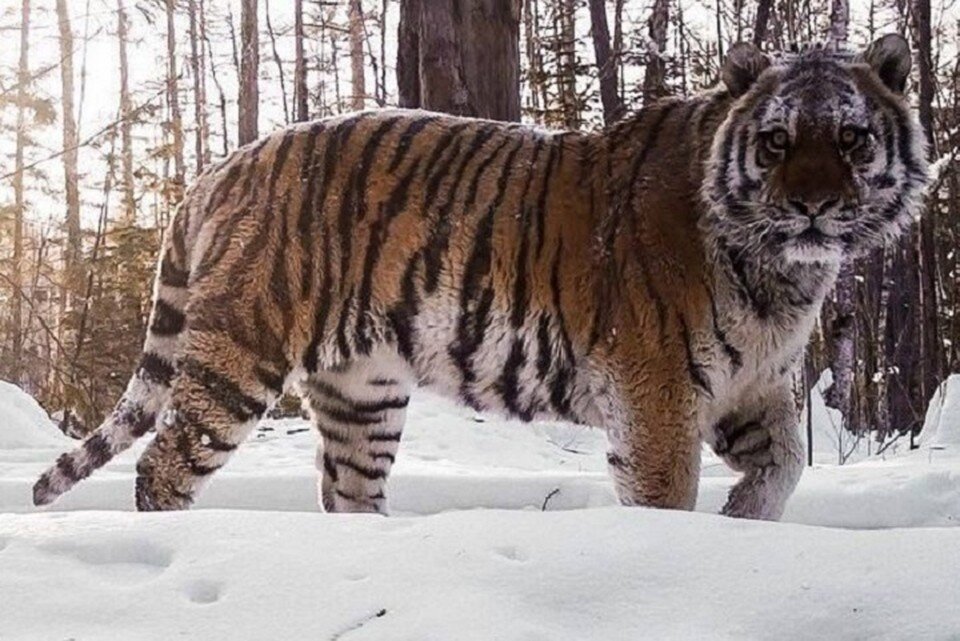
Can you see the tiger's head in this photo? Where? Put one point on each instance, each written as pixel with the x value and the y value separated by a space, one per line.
pixel 819 156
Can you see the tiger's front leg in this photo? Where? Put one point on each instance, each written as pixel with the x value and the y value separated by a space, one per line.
pixel 655 458
pixel 763 442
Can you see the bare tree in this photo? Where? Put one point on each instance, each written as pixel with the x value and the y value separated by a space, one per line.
pixel 300 92
pixel 357 80
pixel 126 119
pixel 761 21
pixel 16 276
pixel 843 327
pixel 249 102
pixel 74 274
pixel 198 69
pixel 931 344
pixel 173 101
pixel 654 76
pixel 606 62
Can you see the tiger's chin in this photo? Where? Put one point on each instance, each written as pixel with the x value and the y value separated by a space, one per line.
pixel 813 247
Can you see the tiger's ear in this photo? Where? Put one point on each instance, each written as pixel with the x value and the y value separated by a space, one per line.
pixel 744 64
pixel 889 57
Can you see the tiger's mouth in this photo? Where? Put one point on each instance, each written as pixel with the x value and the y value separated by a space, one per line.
pixel 813 236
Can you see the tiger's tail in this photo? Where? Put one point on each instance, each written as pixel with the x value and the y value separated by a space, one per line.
pixel 147 391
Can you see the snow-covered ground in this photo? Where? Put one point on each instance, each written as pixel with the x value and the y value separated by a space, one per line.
pixel 500 531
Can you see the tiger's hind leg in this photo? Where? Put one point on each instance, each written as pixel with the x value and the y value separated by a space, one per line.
pixel 763 442
pixel 219 395
pixel 359 411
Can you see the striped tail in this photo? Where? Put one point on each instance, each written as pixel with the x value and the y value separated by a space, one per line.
pixel 147 392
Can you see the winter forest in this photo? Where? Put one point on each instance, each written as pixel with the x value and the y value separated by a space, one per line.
pixel 109 109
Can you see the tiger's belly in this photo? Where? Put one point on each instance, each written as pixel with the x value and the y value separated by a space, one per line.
pixel 487 362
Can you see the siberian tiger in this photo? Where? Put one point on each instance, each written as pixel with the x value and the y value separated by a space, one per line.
pixel 658 279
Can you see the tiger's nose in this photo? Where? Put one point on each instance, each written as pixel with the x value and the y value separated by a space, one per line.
pixel 813 209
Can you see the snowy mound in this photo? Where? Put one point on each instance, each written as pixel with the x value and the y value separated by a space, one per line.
pixel 941 429
pixel 24 424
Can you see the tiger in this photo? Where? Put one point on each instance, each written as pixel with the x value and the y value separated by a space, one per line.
pixel 657 279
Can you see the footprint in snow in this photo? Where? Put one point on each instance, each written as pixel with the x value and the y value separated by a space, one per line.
pixel 120 561
pixel 203 591
pixel 512 553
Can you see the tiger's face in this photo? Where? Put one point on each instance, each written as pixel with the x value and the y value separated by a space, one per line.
pixel 819 157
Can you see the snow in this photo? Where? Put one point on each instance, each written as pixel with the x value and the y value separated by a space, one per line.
pixel 941 429
pixel 864 549
pixel 24 424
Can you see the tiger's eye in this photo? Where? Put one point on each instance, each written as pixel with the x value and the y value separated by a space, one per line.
pixel 850 137
pixel 778 139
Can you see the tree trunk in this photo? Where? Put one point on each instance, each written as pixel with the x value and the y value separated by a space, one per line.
pixel 126 110
pixel 606 63
pixel 357 79
pixel 173 99
pixel 930 343
pixel 843 329
pixel 249 101
pixel 301 109
pixel 408 55
pixel 198 69
pixel 761 22
pixel 839 22
pixel 655 74
pixel 16 272
pixel 467 60
pixel 73 280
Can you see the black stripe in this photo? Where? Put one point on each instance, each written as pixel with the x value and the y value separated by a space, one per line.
pixel 167 319
pixel 343 342
pixel 406 139
pixel 270 380
pixel 307 214
pixel 698 372
pixel 133 416
pixel 348 416
pixel 329 468
pixel 67 468
pixel 544 355
pixel 382 382
pixel 615 460
pixel 384 436
pixel 155 368
pixel 384 455
pixel 735 356
pixel 170 274
pixel 311 355
pixel 332 436
pixel 541 206
pixel 224 391
pixel 761 445
pixel 382 405
pixel 559 393
pixel 508 385
pixel 367 472
pixel 98 451
pixel 402 314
